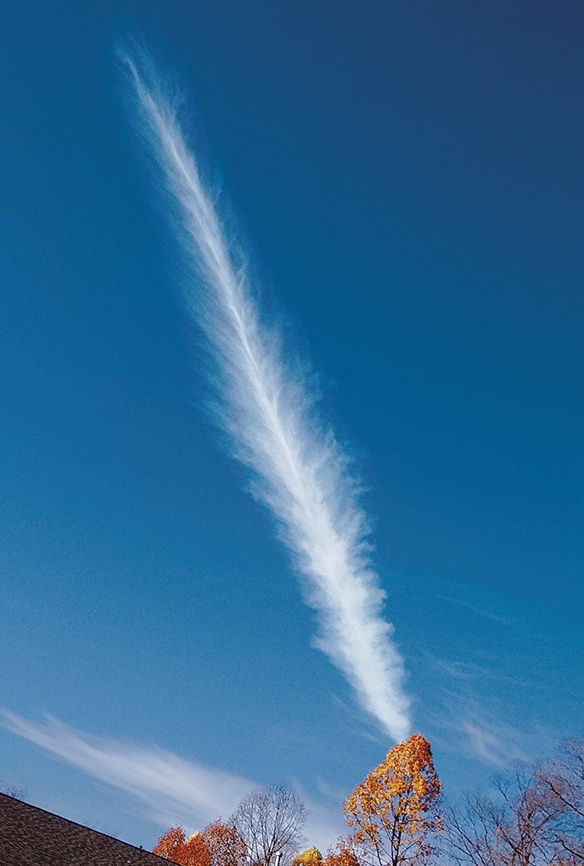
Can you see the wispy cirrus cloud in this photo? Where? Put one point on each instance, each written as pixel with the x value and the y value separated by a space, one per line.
pixel 478 610
pixel 173 790
pixel 492 743
pixel 299 470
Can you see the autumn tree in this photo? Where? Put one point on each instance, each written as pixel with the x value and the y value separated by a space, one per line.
pixel 394 811
pixel 342 855
pixel 310 857
pixel 187 852
pixel 219 844
pixel 270 820
pixel 225 845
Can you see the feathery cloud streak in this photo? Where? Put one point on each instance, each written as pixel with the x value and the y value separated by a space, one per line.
pixel 492 743
pixel 299 470
pixel 173 789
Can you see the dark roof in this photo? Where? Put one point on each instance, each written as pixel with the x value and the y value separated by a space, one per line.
pixel 32 837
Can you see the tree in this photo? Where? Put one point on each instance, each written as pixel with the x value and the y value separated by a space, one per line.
pixel 534 817
pixel 187 852
pixel 270 820
pixel 218 844
pixel 510 828
pixel 564 779
pixel 310 857
pixel 225 845
pixel 15 791
pixel 343 855
pixel 394 811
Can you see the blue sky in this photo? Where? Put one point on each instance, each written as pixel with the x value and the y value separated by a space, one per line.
pixel 408 180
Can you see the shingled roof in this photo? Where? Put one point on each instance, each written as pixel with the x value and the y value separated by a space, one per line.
pixel 29 836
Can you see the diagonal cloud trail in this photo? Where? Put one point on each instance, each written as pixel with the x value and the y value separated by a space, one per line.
pixel 299 470
pixel 171 788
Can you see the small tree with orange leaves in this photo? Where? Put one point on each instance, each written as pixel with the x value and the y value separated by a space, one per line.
pixel 394 811
pixel 343 856
pixel 224 844
pixel 218 844
pixel 187 852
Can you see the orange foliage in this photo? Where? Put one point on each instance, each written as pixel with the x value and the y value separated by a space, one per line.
pixel 170 844
pixel 394 810
pixel 225 845
pixel 343 856
pixel 187 852
pixel 218 845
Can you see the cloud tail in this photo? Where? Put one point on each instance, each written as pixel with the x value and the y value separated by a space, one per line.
pixel 299 469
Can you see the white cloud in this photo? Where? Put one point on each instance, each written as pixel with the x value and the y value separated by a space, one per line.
pixel 173 790
pixel 494 744
pixel 300 472
pixel 477 609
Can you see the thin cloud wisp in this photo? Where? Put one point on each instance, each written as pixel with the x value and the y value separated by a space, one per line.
pixel 173 790
pixel 298 468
